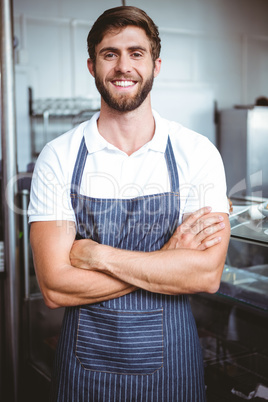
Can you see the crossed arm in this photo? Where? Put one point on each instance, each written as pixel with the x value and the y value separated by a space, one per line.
pixel 73 272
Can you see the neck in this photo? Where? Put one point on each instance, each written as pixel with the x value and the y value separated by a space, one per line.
pixel 127 131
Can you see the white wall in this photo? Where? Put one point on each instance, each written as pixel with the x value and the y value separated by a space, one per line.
pixel 222 43
pixel 212 50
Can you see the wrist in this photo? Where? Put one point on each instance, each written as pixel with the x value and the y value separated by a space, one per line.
pixel 104 258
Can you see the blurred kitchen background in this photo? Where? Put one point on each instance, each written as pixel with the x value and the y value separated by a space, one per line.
pixel 214 80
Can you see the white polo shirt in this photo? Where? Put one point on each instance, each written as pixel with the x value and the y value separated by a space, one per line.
pixel 111 173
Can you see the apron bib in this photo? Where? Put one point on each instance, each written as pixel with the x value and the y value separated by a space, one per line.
pixel 139 347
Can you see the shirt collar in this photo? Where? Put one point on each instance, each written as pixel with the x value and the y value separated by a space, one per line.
pixel 95 142
pixel 159 141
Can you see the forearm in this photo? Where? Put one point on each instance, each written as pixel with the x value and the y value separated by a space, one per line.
pixel 168 272
pixel 61 283
pixel 173 269
pixel 75 286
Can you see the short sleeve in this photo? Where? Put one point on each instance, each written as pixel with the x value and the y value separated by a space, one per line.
pixel 208 183
pixel 50 190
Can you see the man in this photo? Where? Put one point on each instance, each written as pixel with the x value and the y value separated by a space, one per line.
pixel 108 240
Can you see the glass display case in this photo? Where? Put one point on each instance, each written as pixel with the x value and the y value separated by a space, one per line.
pixel 233 323
pixel 245 276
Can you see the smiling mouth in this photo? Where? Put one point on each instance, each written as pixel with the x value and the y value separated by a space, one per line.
pixel 124 84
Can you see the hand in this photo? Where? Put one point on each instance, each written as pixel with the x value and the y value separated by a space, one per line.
pixel 197 232
pixel 85 254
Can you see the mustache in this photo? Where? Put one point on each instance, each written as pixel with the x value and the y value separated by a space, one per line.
pixel 123 77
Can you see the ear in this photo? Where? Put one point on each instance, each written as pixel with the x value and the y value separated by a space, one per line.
pixel 157 67
pixel 90 66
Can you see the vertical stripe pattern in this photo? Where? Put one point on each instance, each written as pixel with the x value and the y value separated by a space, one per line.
pixel 139 347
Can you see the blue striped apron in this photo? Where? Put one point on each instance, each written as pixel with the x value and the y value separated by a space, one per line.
pixel 139 347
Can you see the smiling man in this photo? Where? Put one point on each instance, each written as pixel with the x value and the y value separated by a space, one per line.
pixel 109 239
pixel 120 89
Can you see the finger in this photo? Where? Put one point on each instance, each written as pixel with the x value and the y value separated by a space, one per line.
pixel 210 230
pixel 209 243
pixel 193 217
pixel 213 222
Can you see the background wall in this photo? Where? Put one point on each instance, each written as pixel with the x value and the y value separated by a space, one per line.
pixel 213 51
pixel 220 43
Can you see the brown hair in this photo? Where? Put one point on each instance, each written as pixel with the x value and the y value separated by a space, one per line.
pixel 118 18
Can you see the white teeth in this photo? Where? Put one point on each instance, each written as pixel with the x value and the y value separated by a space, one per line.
pixel 124 83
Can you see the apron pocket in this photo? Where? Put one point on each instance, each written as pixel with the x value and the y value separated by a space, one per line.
pixel 120 341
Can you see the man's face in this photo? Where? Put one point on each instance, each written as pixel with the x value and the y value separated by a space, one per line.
pixel 124 70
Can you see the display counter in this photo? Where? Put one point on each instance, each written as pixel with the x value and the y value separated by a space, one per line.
pixel 245 276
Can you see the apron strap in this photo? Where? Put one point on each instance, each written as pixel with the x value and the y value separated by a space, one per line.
pixel 79 167
pixel 172 167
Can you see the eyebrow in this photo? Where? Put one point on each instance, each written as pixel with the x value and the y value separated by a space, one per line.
pixel 115 49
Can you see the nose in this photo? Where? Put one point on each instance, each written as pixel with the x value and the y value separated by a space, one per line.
pixel 123 64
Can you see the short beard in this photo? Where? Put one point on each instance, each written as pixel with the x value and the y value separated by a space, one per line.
pixel 124 103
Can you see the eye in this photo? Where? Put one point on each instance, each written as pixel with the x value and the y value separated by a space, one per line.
pixel 136 55
pixel 110 56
